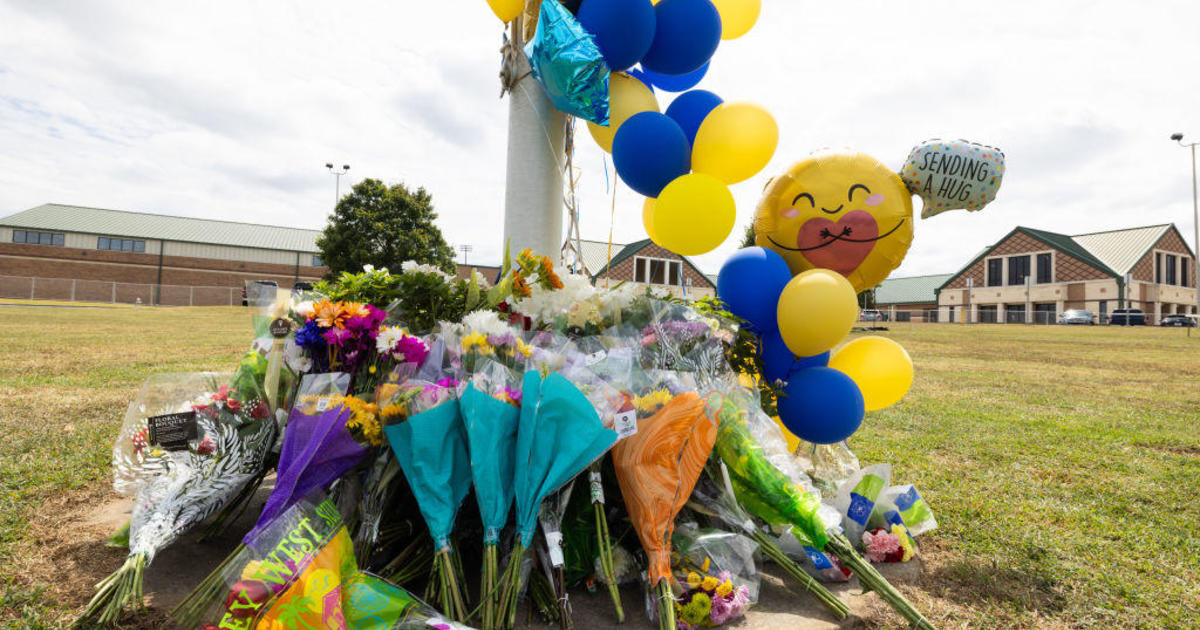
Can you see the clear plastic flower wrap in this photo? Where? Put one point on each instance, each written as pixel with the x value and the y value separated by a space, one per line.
pixel 301 572
pixel 677 337
pixel 134 458
pixel 717 572
pixel 548 350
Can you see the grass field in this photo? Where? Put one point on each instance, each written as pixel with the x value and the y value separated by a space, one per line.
pixel 1062 464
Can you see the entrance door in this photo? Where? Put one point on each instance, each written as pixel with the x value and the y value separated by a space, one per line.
pixel 1103 311
pixel 1014 314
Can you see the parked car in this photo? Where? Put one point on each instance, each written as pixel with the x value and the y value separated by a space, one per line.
pixel 1178 320
pixel 1127 317
pixel 301 286
pixel 871 315
pixel 1077 317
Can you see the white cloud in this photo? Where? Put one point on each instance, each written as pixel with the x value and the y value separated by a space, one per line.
pixel 229 110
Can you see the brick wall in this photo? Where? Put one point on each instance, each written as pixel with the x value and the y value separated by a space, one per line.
pixel 1067 268
pixel 1170 242
pixel 126 267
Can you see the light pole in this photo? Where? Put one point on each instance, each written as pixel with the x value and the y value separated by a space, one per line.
pixel 337 186
pixel 1178 137
pixel 465 249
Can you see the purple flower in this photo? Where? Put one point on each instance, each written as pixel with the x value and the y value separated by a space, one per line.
pixel 513 394
pixel 410 350
pixel 337 336
pixel 722 611
pixel 448 383
pixel 309 336
pixel 506 339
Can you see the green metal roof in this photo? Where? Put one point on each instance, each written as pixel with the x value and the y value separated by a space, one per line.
pixel 629 250
pixel 1122 249
pixel 913 290
pixel 1067 244
pixel 66 218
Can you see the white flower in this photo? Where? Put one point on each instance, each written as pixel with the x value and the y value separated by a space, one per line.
pixel 369 268
pixel 411 266
pixel 486 322
pixel 387 338
pixel 304 309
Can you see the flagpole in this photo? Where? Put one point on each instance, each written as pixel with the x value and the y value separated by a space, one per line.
pixel 533 194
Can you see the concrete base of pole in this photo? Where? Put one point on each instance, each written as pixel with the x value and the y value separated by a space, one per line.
pixel 533 196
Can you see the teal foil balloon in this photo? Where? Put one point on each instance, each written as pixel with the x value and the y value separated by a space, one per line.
pixel 568 63
pixel 953 175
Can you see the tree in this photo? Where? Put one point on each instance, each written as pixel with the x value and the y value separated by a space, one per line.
pixel 383 226
pixel 748 236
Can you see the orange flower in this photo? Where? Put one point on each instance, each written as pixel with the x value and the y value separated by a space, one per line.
pixel 328 314
pixel 355 309
pixel 548 274
pixel 519 286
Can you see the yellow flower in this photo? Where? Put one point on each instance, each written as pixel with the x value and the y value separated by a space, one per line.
pixel 707 563
pixel 651 402
pixel 709 583
pixel 474 340
pixel 524 349
pixel 391 411
pixel 371 370
pixel 906 543
pixel 693 579
pixel 364 417
pixel 725 588
pixel 251 570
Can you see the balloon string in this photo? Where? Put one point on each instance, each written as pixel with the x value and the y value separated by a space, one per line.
pixel 612 217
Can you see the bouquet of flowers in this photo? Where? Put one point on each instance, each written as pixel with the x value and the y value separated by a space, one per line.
pixel 430 443
pixel 207 454
pixel 491 404
pixel 340 336
pixel 657 467
pixel 301 572
pixel 717 573
pixel 558 436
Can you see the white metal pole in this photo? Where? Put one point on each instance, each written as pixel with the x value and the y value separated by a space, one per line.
pixel 1195 233
pixel 533 184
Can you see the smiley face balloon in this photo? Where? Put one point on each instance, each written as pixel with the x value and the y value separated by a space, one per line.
pixel 841 211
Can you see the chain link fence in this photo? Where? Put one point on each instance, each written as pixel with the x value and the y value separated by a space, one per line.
pixel 72 290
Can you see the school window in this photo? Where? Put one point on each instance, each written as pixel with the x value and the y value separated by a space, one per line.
pixel 656 271
pixel 1184 263
pixel 988 314
pixel 1045 269
pixel 1018 270
pixel 316 261
pixel 995 272
pixel 30 237
pixel 121 244
pixel 1158 268
pixel 1171 269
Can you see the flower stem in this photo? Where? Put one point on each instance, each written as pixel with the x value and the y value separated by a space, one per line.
pixel 666 605
pixel 190 611
pixel 115 593
pixel 818 590
pixel 607 566
pixel 872 580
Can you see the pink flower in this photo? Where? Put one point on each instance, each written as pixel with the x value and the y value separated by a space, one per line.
pixel 722 611
pixel 410 350
pixel 880 545
pixel 206 446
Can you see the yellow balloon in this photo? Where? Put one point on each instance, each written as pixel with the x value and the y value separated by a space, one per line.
pixel 793 442
pixel 735 141
pixel 816 310
pixel 507 10
pixel 737 16
pixel 842 211
pixel 626 96
pixel 881 368
pixel 694 214
pixel 648 218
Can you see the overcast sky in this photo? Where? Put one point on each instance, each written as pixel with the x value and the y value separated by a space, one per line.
pixel 229 110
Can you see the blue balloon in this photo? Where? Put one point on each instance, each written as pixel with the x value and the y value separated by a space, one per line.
pixel 641 75
pixel 778 361
pixel 821 405
pixel 649 151
pixel 750 282
pixel 624 29
pixel 675 83
pixel 686 35
pixel 690 109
